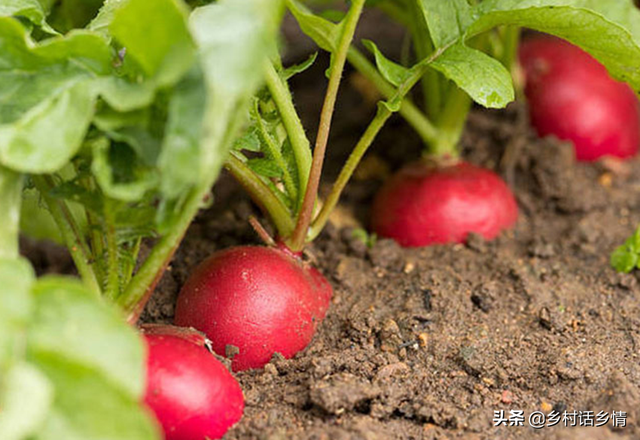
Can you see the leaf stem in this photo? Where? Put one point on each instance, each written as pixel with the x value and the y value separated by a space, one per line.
pixel 71 234
pixel 96 244
pixel 261 231
pixel 510 38
pixel 451 124
pixel 382 115
pixel 11 196
pixel 337 66
pixel 423 47
pixel 262 195
pixel 112 286
pixel 349 167
pixel 412 114
pixel 291 121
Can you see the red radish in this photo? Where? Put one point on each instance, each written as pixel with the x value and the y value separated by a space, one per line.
pixel 192 394
pixel 423 205
pixel 258 299
pixel 572 96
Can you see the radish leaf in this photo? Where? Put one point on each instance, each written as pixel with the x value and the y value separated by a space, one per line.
pixel 484 78
pixel 391 71
pixel 322 31
pixel 161 44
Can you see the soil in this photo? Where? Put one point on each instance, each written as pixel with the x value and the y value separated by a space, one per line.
pixel 428 343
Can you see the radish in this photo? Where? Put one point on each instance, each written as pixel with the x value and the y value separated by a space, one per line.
pixel 572 96
pixel 192 394
pixel 423 204
pixel 261 300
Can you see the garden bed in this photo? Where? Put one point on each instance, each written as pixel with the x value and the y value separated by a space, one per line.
pixel 427 343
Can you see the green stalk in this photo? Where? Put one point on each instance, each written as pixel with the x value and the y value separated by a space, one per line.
pixel 11 196
pixel 131 264
pixel 394 11
pixel 96 245
pixel 451 124
pixel 382 115
pixel 94 229
pixel 511 39
pixel 112 285
pixel 412 114
pixel 71 234
pixel 262 195
pixel 297 137
pixel 431 81
pixel 348 169
pixel 337 66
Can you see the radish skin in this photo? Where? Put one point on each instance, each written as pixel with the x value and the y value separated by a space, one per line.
pixel 425 204
pixel 191 393
pixel 260 300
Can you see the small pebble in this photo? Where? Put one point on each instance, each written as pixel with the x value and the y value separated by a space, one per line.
pixel 271 370
pixel 507 397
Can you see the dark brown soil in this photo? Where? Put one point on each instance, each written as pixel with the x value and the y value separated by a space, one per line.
pixel 428 343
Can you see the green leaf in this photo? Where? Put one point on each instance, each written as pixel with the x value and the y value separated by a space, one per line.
pixel 46 96
pixel 11 185
pixel 322 31
pixel 73 14
pixel 126 96
pixel 299 68
pixel 233 38
pixel 100 24
pixel 88 407
pixel 447 20
pixel 249 141
pixel 633 242
pixel 68 325
pixel 75 195
pixel 264 167
pixel 31 74
pixel 49 135
pixel 624 259
pixel 133 222
pixel 145 145
pixel 94 360
pixel 485 79
pixel 108 119
pixel 392 72
pixel 35 218
pixel 161 44
pixel 607 29
pixel 16 276
pixel 27 399
pixel 36 221
pixel 70 367
pixel 120 173
pixel 32 10
pixel 179 161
